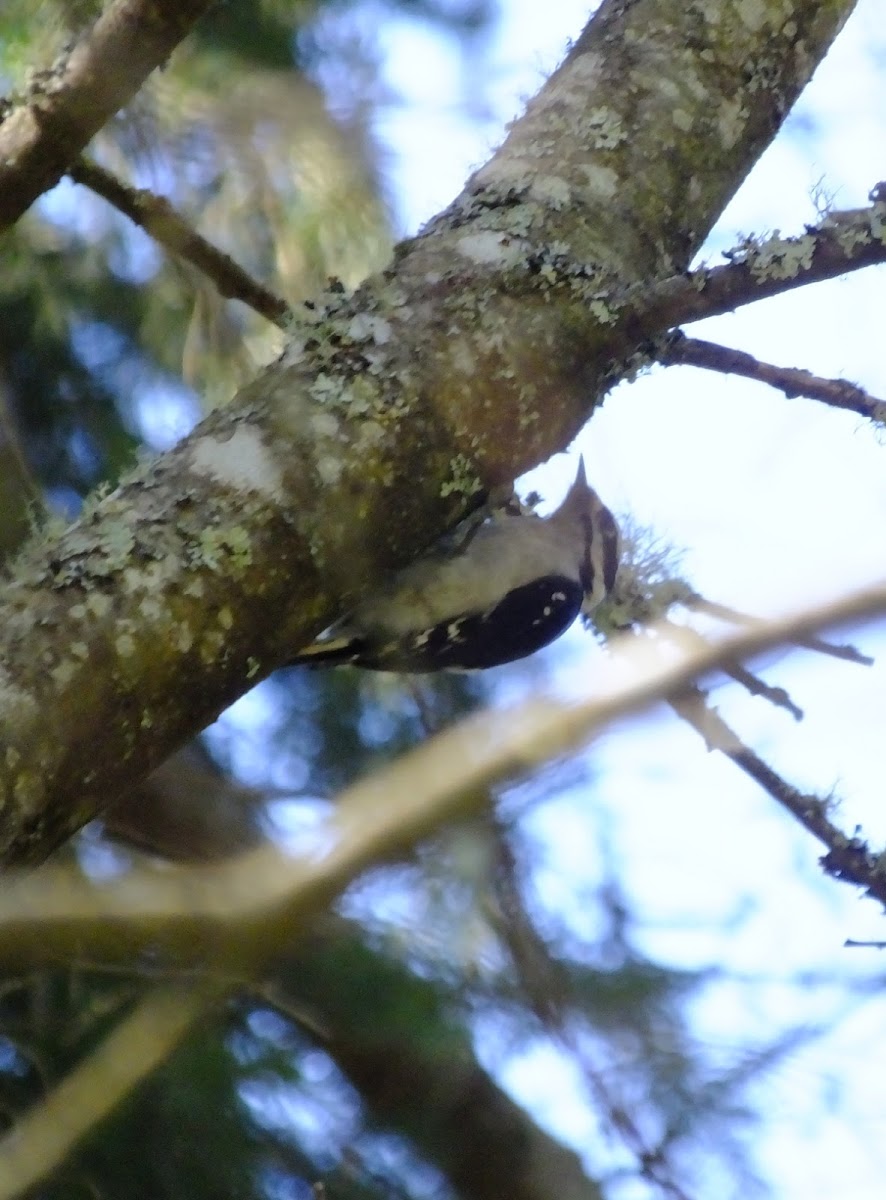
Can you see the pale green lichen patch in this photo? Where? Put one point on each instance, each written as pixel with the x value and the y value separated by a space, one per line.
pixel 242 461
pixel 605 129
pixel 601 181
pixel 330 468
pixel 98 552
pixel 489 247
pixel 153 610
pixel 325 425
pixel 554 192
pixel 98 603
pixel 732 117
pixel 212 645
pixel 16 699
pixel 463 479
pixel 782 258
pixel 181 636
pixel 223 549
pixel 753 13
pixel 125 645
pixel 63 672
pixel 369 327
pixel 851 238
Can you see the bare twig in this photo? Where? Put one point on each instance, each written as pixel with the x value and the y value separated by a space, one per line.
pixel 69 103
pixel 759 687
pixel 838 393
pixel 158 218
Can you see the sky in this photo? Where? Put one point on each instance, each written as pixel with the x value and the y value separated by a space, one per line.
pixel 774 502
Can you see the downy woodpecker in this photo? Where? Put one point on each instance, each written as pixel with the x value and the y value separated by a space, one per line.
pixel 513 585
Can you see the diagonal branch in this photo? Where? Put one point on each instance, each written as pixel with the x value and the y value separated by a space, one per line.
pixel 679 350
pixel 71 101
pixel 41 1140
pixel 756 686
pixel 160 220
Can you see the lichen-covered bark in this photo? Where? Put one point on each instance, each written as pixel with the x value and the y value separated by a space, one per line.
pixel 479 352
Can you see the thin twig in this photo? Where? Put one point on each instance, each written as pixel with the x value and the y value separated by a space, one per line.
pixel 159 219
pixel 688 638
pixel 680 350
pixel 759 687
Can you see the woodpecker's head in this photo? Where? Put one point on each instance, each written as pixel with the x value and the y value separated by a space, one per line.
pixel 584 509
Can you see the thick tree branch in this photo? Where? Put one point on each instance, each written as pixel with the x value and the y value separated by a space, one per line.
pixel 158 218
pixel 71 101
pixel 679 350
pixel 478 354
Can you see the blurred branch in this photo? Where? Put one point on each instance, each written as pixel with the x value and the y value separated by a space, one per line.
pixel 71 100
pixel 474 1132
pixel 159 219
pixel 42 1139
pixel 843 241
pixel 264 897
pixel 246 911
pixel 680 350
